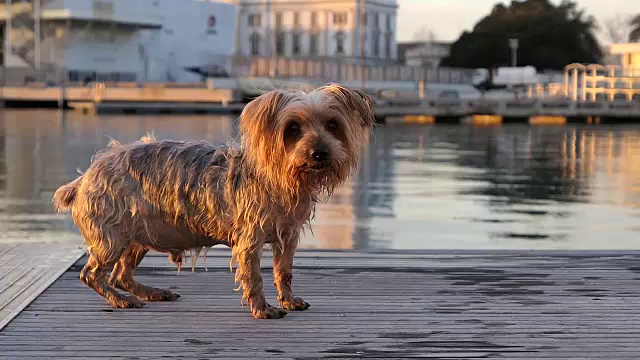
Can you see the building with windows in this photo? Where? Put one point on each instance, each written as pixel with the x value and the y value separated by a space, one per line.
pixel 116 40
pixel 354 30
pixel 626 55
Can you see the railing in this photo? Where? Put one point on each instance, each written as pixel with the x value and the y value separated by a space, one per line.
pixel 335 70
pixel 592 82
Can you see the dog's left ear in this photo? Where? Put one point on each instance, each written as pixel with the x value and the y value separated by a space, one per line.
pixel 354 100
pixel 259 115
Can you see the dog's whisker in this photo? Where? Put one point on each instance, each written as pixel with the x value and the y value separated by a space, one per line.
pixel 195 254
pixel 204 257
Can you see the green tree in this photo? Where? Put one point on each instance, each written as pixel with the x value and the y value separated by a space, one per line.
pixel 550 37
pixel 634 35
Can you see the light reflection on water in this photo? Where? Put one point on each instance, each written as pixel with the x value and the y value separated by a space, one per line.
pixel 419 187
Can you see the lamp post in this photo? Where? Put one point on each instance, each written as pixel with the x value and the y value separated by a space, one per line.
pixel 513 44
pixel 36 30
pixel 363 41
pixel 271 31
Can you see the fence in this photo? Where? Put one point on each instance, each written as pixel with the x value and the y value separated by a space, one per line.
pixel 289 69
pixel 334 70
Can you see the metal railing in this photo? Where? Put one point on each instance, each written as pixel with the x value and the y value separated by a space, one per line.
pixel 336 70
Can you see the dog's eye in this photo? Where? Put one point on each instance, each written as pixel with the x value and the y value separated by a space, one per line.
pixel 332 126
pixel 292 130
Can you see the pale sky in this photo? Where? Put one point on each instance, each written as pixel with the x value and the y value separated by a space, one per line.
pixel 448 18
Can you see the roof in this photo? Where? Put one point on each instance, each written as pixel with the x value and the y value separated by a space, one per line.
pixel 625 48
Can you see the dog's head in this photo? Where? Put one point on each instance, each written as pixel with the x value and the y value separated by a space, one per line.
pixel 307 141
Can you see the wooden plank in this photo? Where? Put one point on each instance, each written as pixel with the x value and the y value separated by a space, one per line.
pixel 28 269
pixel 391 306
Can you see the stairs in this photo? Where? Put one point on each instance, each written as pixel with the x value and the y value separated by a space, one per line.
pixel 22 34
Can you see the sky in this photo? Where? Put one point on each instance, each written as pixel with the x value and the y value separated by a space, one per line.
pixel 448 18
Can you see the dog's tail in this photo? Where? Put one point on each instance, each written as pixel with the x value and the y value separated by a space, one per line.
pixel 64 197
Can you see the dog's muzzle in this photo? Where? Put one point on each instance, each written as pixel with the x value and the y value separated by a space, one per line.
pixel 319 158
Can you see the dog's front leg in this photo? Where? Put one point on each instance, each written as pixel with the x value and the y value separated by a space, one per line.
pixel 282 276
pixel 248 273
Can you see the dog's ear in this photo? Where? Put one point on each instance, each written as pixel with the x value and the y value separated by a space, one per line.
pixel 353 100
pixel 259 116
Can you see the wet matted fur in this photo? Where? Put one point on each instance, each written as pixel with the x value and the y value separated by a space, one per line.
pixel 171 196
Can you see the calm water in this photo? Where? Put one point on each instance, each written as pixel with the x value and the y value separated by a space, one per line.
pixel 420 187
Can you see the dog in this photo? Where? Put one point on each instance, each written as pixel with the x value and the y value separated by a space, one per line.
pixel 294 149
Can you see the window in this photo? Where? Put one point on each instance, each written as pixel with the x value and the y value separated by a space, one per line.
pixel 387 45
pixel 296 19
pixel 340 43
pixel 255 20
pixel 313 44
pixel 280 43
pixel 376 21
pixel 376 44
pixel 255 44
pixel 314 18
pixel 388 22
pixel 295 44
pixel 278 20
pixel 340 18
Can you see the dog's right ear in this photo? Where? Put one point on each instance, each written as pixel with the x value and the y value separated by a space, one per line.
pixel 259 116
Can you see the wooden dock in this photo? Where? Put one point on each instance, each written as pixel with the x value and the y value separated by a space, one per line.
pixel 408 106
pixel 27 269
pixel 506 305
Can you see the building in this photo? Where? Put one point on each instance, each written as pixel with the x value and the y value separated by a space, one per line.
pixel 117 40
pixel 427 54
pixel 317 29
pixel 626 55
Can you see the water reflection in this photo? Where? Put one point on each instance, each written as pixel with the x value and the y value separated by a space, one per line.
pixel 419 187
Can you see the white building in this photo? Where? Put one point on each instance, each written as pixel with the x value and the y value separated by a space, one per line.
pixel 626 55
pixel 117 40
pixel 319 29
pixel 428 54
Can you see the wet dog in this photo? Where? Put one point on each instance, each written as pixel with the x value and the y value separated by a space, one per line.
pixel 172 196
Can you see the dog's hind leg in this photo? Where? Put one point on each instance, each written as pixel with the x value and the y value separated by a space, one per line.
pixel 94 275
pixel 282 276
pixel 122 276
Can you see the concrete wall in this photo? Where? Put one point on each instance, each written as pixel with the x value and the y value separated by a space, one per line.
pixel 144 40
pixel 187 39
pixel 139 11
pixel 102 50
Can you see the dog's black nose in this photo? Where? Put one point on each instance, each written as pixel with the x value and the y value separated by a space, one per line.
pixel 319 155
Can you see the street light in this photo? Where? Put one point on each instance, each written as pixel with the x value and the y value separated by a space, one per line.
pixel 513 44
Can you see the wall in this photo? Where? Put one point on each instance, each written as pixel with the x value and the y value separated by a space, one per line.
pixel 138 12
pixel 101 50
pixel 122 42
pixel 187 40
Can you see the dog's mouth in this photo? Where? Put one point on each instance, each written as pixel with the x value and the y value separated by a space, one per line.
pixel 319 165
pixel 315 165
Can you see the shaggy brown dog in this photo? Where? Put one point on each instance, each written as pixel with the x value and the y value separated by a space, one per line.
pixel 172 196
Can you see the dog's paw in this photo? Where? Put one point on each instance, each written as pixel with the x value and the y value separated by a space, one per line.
pixel 127 302
pixel 162 295
pixel 294 304
pixel 268 312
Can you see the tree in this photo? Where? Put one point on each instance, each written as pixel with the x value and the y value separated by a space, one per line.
pixel 617 29
pixel 550 37
pixel 634 34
